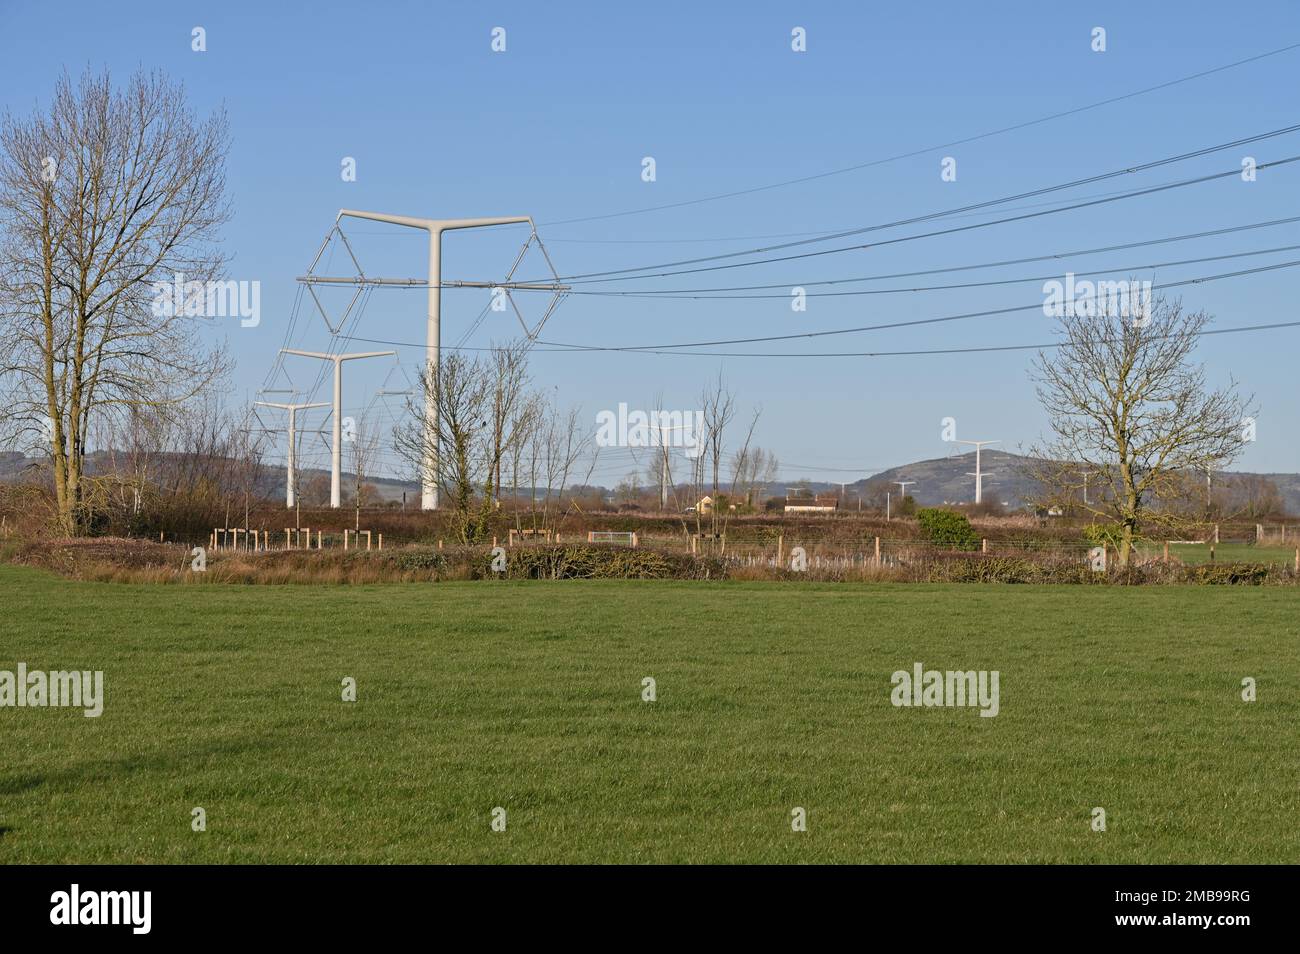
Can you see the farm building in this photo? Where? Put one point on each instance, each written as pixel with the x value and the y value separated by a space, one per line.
pixel 820 503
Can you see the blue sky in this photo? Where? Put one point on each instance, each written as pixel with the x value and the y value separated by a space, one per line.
pixel 557 126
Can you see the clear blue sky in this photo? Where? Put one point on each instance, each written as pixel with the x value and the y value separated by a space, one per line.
pixel 557 126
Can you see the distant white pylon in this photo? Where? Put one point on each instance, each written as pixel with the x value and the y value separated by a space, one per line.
pixel 979 474
pixel 336 452
pixel 291 467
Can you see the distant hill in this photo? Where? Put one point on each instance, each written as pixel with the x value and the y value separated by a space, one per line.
pixel 940 480
pixel 944 479
pixel 937 481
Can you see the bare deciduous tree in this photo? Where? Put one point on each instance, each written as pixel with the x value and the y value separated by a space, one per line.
pixel 1248 495
pixel 104 194
pixel 363 452
pixel 479 406
pixel 1130 410
pixel 509 402
pixel 752 468
pixel 719 408
pixel 461 395
pixel 557 442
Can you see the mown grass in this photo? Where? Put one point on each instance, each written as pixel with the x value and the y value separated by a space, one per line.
pixel 527 695
pixel 1224 553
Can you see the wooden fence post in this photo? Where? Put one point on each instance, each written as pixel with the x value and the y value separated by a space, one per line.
pixel 877 551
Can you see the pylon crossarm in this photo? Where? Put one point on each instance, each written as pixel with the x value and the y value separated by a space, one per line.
pixel 348 245
pixel 532 333
pixel 520 257
pixel 347 311
pixel 321 251
pixel 360 280
pixel 558 290
pixel 546 255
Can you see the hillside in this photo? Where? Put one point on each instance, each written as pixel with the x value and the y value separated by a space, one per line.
pixel 937 481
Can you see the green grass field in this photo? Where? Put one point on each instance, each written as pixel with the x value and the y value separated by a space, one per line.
pixel 770 696
pixel 1224 553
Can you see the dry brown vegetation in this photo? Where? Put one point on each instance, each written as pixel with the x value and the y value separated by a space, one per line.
pixel 136 561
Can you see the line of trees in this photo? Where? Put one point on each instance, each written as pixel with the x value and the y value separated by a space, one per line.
pixel 490 421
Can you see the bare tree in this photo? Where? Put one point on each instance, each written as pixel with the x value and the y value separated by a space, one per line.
pixel 1248 495
pixel 741 460
pixel 525 421
pixel 876 495
pixel 509 401
pixel 556 444
pixel 363 451
pixel 628 490
pixel 482 417
pixel 461 395
pixel 102 196
pixel 751 466
pixel 719 408
pixel 134 448
pixel 1130 410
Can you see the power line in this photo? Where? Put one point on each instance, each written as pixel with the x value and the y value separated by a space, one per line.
pixel 957 285
pixel 913 220
pixel 904 324
pixel 957 268
pixel 841 354
pixel 714 240
pixel 651 293
pixel 718 239
pixel 928 149
pixel 1151 190
pixel 932 351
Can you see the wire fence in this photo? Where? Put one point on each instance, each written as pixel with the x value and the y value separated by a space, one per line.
pixel 899 552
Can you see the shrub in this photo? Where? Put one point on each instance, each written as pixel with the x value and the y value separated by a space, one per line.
pixel 1103 534
pixel 143 561
pixel 600 562
pixel 1230 574
pixel 418 559
pixel 947 528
